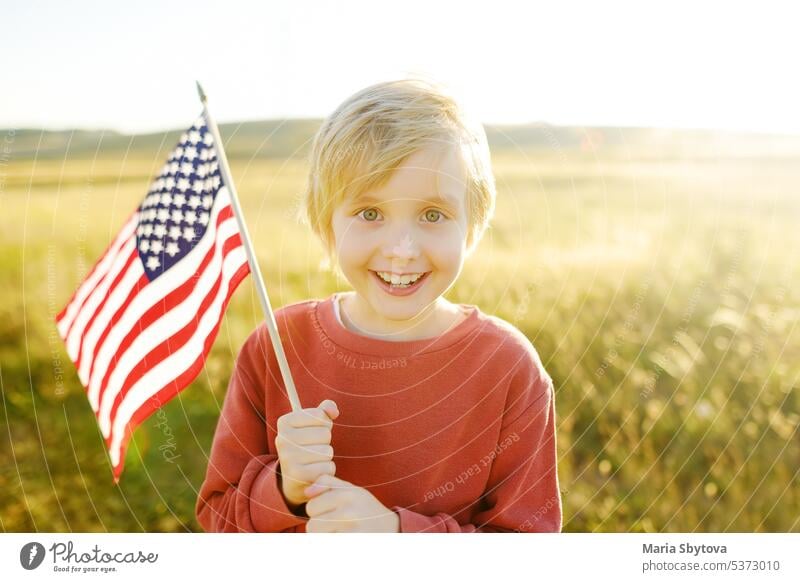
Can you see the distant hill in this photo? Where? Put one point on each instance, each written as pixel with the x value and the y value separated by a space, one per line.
pixel 292 138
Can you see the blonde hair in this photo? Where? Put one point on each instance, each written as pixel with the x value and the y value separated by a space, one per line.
pixel 370 135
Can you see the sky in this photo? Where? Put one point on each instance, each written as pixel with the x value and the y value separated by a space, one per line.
pixel 131 66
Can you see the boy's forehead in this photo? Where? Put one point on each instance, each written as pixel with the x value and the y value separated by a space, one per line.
pixel 430 175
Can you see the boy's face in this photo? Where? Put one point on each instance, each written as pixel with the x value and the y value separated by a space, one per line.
pixel 414 224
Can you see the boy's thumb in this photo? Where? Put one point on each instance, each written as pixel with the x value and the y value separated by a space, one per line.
pixel 330 408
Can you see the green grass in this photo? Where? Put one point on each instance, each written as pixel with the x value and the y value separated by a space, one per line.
pixel 658 289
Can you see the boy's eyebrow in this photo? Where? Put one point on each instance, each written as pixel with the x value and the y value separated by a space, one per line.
pixel 445 200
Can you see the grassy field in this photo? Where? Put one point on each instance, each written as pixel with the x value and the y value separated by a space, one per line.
pixel 657 282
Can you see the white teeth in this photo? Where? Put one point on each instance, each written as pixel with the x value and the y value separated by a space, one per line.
pixel 396 279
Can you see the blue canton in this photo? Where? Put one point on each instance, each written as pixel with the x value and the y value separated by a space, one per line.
pixel 176 212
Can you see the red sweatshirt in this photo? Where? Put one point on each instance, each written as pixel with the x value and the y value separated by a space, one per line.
pixel 454 433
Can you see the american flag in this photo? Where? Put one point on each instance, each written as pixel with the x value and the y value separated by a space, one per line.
pixel 140 325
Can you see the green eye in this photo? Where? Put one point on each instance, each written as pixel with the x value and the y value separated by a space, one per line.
pixel 370 214
pixel 433 215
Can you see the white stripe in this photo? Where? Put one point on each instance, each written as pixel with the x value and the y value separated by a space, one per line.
pixel 86 287
pixel 161 374
pixel 97 296
pixel 154 291
pixel 115 300
pixel 161 330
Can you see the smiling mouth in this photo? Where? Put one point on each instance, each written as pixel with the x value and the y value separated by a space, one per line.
pixel 401 285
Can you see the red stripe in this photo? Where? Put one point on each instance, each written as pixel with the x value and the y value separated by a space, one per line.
pixel 176 341
pixel 117 243
pixel 111 288
pixel 175 297
pixel 140 284
pixel 171 389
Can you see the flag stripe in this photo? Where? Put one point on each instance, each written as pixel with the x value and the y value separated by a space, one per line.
pixel 124 272
pixel 164 372
pixel 159 341
pixel 152 294
pixel 152 327
pixel 133 292
pixel 96 296
pixel 171 389
pixel 71 311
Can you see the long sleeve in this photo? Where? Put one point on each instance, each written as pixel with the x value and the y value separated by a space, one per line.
pixel 522 493
pixel 241 491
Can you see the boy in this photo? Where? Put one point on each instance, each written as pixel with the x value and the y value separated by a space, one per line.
pixel 434 417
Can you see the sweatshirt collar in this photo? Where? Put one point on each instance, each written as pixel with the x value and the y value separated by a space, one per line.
pixel 354 342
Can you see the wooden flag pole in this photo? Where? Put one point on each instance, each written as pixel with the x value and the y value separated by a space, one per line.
pixel 251 258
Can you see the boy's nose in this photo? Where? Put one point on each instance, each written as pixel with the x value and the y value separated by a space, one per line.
pixel 404 249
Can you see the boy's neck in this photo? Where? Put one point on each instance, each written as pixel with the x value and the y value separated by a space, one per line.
pixel 437 319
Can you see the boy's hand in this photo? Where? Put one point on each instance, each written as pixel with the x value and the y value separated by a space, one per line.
pixel 339 506
pixel 304 450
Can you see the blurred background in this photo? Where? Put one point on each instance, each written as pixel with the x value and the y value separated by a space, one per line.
pixel 645 239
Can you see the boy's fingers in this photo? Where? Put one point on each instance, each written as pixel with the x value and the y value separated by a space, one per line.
pixel 310 417
pixel 316 455
pixel 314 490
pixel 322 483
pixel 312 435
pixel 313 471
pixel 320 503
pixel 329 481
pixel 330 408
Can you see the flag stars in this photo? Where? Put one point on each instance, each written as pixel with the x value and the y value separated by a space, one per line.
pixel 176 211
pixel 153 263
